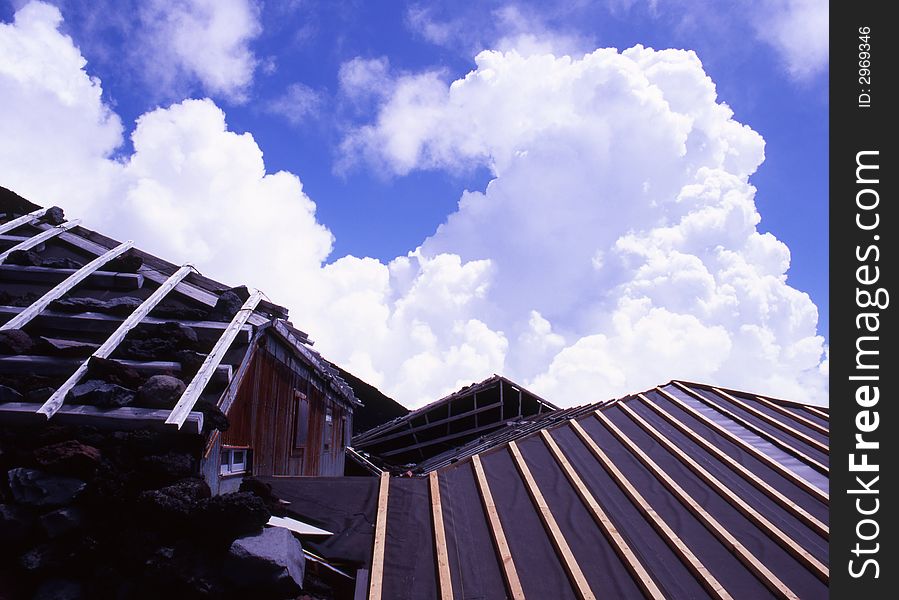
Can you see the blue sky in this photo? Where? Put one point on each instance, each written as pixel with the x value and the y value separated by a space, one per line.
pixel 280 71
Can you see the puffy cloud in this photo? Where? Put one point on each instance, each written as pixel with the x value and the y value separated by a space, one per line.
pixel 620 223
pixel 799 30
pixel 297 104
pixel 205 40
pixel 615 248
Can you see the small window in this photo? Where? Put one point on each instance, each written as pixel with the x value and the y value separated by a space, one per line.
pixel 301 427
pixel 235 460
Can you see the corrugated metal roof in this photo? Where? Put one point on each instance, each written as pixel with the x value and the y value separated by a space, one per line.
pixel 683 491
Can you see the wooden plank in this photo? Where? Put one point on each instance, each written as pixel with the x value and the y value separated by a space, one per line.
pixel 39 238
pixel 57 365
pixel 444 579
pixel 690 560
pixel 108 347
pixel 789 448
pixel 513 584
pixel 11 240
pixel 792 476
pixel 426 443
pixel 124 418
pixel 207 331
pixel 23 220
pixel 377 554
pixel 727 539
pixel 198 383
pixel 798 435
pixel 792 414
pixel 99 279
pixel 627 556
pixel 771 530
pixel 563 551
pixel 64 287
pixel 760 484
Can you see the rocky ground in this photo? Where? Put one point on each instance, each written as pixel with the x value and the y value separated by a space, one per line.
pixel 96 514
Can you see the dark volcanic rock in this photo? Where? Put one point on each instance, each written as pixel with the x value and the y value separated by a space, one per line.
pixel 59 589
pixel 272 560
pixel 62 521
pixel 101 394
pixel 168 467
pixel 167 310
pixel 160 391
pixel 37 488
pixel 40 394
pixel 186 571
pixel 231 515
pixel 16 523
pixel 159 342
pixel 54 216
pixel 226 306
pixel 116 306
pixel 213 417
pixel 55 347
pixel 26 299
pixel 190 363
pixel 61 263
pixel 113 371
pixel 7 394
pixel 15 341
pixel 24 258
pixel 126 263
pixel 174 504
pixel 69 457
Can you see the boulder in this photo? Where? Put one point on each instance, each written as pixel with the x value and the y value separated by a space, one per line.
pixel 174 503
pixel 101 394
pixel 61 263
pixel 113 371
pixel 160 391
pixel 55 347
pixel 41 394
pixel 7 394
pixel 226 306
pixel 271 560
pixel 231 515
pixel 37 488
pixel 15 341
pixel 169 310
pixel 126 263
pixel 168 467
pixel 69 457
pixel 61 521
pixel 54 216
pixel 24 258
pixel 190 363
pixel 213 417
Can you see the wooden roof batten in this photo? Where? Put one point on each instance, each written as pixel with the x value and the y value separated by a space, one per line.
pixel 53 404
pixel 64 287
pixel 192 393
pixel 23 220
pixel 40 238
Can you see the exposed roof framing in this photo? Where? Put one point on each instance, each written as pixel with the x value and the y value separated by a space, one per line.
pixel 646 495
pixel 23 220
pixel 40 238
pixel 55 401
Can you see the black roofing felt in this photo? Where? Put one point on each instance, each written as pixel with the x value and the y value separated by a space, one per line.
pixel 473 558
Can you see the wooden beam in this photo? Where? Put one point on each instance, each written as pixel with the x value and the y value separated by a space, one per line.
pixel 39 238
pixel 789 448
pixel 64 287
pixel 445 581
pixel 99 279
pixel 727 539
pixel 771 530
pixel 563 551
pixel 757 482
pixel 677 545
pixel 371 441
pixel 513 584
pixel 627 556
pixel 791 414
pixel 377 554
pixel 23 220
pixel 124 418
pixel 798 435
pixel 207 331
pixel 817 412
pixel 59 366
pixel 11 240
pixel 789 474
pixel 490 426
pixel 55 401
pixel 198 383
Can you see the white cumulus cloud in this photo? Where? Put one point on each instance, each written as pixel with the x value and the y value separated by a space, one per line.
pixel 615 248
